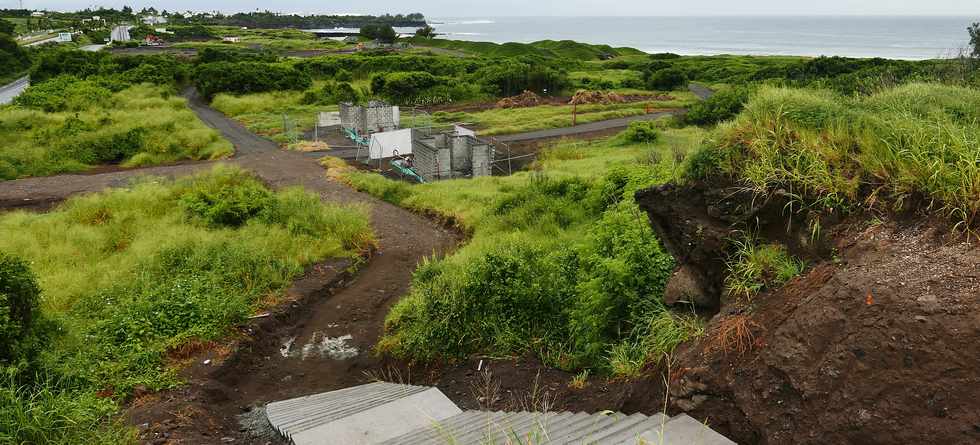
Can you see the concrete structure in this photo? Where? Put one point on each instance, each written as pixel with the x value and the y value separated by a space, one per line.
pixel 64 37
pixel 390 414
pixel 375 117
pixel 452 155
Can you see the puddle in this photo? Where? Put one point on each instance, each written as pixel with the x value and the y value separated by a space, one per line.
pixel 320 345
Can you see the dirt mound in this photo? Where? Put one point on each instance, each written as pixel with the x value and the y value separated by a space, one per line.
pixel 875 344
pixel 525 99
pixel 596 97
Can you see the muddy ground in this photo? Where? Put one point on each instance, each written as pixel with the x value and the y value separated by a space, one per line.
pixel 875 344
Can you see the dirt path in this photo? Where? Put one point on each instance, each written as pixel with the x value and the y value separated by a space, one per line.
pixel 591 127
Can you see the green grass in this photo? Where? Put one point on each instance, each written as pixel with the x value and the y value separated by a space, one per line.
pixel 40 143
pixel 517 120
pixel 560 262
pixel 130 274
pixel 754 268
pixel 913 146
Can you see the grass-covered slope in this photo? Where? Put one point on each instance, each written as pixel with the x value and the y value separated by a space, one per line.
pixel 557 49
pixel 915 145
pixel 128 275
pixel 561 262
pixel 73 125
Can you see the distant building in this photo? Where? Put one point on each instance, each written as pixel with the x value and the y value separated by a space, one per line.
pixel 64 37
pixel 154 20
pixel 120 34
pixel 37 14
pixel 350 39
pixel 232 39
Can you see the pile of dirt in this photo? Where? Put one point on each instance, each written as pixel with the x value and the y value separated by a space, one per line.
pixel 875 344
pixel 525 99
pixel 596 97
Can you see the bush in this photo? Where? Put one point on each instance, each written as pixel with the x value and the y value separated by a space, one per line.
pixel 382 32
pixel 667 79
pixel 331 93
pixel 402 86
pixel 641 132
pixel 248 77
pixel 721 106
pixel 64 93
pixel 80 64
pixel 99 148
pixel 226 198
pixel 514 77
pixel 19 299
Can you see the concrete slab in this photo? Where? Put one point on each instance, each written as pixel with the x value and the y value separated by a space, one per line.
pixel 382 422
pixel 685 430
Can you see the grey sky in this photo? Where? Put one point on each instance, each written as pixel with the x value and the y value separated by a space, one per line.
pixel 447 8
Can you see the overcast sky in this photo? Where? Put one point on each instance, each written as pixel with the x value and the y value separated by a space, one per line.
pixel 487 8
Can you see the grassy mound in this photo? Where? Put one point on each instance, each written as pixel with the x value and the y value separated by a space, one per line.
pixel 140 125
pixel 128 275
pixel 914 144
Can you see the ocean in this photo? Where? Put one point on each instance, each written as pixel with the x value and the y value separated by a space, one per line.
pixel 894 37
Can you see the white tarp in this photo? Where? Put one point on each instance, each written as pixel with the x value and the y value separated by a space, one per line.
pixel 383 145
pixel 463 131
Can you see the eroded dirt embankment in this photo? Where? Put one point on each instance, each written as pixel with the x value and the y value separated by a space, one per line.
pixel 877 343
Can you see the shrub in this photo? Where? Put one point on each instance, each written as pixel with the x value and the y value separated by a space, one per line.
pixel 19 313
pixel 248 77
pixel 402 85
pixel 721 106
pixel 331 94
pixel 641 132
pixel 80 64
pixel 226 197
pixel 667 79
pixel 101 148
pixel 64 93
pixel 514 77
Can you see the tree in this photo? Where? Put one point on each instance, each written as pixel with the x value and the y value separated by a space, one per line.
pixel 974 31
pixel 666 79
pixel 19 309
pixel 6 27
pixel 127 10
pixel 383 33
pixel 426 32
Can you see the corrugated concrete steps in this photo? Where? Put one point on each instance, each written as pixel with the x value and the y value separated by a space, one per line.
pixel 393 414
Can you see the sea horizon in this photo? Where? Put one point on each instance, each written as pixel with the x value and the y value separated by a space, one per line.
pixel 911 37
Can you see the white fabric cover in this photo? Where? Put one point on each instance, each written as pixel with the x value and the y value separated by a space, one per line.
pixel 383 145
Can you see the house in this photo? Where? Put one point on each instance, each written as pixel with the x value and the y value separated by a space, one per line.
pixel 152 40
pixel 154 20
pixel 37 14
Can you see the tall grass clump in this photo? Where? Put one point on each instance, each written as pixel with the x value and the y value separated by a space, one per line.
pixel 753 268
pixel 914 145
pixel 128 275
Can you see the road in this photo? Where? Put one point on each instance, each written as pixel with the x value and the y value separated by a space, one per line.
pixel 584 128
pixel 13 89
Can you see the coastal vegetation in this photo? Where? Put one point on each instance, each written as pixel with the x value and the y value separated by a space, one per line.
pixel 113 283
